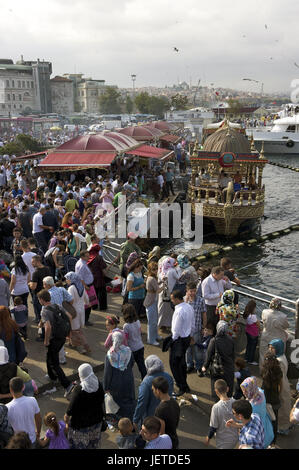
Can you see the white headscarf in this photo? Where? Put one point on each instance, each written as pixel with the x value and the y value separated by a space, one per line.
pixel 88 381
pixel 153 364
pixel 4 356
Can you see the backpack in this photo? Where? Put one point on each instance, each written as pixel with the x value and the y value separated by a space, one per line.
pixel 61 325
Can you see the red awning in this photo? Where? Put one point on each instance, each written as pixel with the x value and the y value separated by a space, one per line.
pixel 170 138
pixel 83 159
pixel 150 152
pixel 31 155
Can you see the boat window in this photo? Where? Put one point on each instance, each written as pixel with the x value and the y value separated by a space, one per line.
pixel 291 129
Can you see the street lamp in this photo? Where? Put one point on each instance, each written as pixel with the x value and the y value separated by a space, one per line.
pixel 133 77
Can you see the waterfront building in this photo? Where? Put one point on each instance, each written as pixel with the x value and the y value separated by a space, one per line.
pixel 25 86
pixel 62 93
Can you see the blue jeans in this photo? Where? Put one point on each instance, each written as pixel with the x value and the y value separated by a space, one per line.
pixel 37 306
pixel 251 347
pixel 152 323
pixel 194 354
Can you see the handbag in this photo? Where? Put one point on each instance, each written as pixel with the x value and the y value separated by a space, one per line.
pixel 167 342
pixel 93 300
pixel 165 292
pixel 69 308
pixel 21 352
pixel 216 367
pixel 270 412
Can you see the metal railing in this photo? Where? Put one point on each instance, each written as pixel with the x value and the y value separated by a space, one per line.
pixel 251 294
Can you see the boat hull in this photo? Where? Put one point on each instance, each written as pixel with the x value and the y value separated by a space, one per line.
pixel 231 220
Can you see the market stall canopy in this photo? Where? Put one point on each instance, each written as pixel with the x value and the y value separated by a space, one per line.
pixel 93 142
pixel 74 160
pixel 138 132
pixel 147 151
pixel 165 126
pixel 31 156
pixel 173 139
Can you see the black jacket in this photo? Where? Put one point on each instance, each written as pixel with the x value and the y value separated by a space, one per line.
pixel 226 350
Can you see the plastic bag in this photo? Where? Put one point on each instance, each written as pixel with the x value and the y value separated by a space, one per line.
pixel 110 406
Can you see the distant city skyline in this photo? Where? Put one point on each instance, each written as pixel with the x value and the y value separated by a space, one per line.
pixel 161 42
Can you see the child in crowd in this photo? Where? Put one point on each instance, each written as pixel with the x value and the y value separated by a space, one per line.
pixel 56 435
pixel 203 346
pixel 240 375
pixel 111 325
pixel 226 438
pixel 252 331
pixel 20 313
pixel 132 329
pixel 127 437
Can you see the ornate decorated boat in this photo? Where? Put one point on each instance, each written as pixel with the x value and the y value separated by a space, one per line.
pixel 227 179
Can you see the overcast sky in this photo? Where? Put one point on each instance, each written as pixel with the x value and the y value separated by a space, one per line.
pixel 219 41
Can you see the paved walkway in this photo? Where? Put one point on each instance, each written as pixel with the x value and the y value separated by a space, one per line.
pixel 195 406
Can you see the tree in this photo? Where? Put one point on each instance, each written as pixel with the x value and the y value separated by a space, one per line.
pixel 129 105
pixel 234 107
pixel 28 143
pixel 142 102
pixel 179 102
pixel 12 148
pixel 110 101
pixel 159 105
pixel 147 104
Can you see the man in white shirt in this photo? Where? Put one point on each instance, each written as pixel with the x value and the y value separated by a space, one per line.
pixel 213 287
pixel 23 412
pixel 182 329
pixel 27 256
pixel 38 229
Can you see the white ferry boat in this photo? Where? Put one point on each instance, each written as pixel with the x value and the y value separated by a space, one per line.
pixel 283 137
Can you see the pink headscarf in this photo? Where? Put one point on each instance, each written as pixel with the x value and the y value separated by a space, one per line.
pixel 167 265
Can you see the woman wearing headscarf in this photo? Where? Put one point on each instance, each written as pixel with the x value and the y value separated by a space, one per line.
pixel 225 349
pixel 97 266
pixel 154 255
pixel 85 411
pixel 275 324
pixel 78 293
pixel 227 312
pixel 256 398
pixel 277 347
pixel 118 376
pixel 147 402
pixel 9 370
pixel 169 276
pixel 186 270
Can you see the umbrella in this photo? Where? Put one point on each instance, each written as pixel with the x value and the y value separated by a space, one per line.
pixel 55 128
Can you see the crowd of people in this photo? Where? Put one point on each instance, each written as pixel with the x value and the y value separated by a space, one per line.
pixel 52 257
